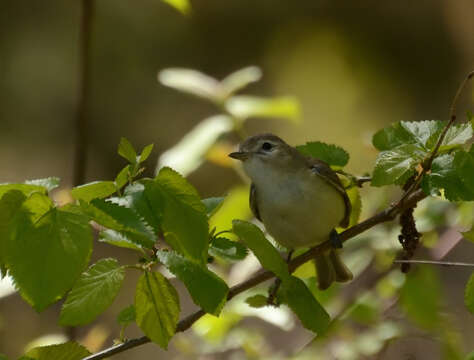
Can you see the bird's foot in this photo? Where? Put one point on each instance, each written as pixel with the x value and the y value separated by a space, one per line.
pixel 335 240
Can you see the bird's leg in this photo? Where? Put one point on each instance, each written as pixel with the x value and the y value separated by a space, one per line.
pixel 272 291
pixel 335 240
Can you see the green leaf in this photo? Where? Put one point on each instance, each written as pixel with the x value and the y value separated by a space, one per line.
pixel 257 301
pixel 122 177
pixel 123 219
pixel 424 134
pixel 254 239
pixel 192 82
pixel 206 289
pixel 145 153
pixel 49 183
pixel 391 137
pixel 178 204
pixel 470 356
pixel 239 79
pixel 332 154
pixel 397 165
pixel 93 190
pixel 457 135
pixel 157 307
pixel 448 173
pixel 235 206
pixel 464 164
pixel 183 6
pixel 356 202
pixel 420 297
pixel 244 107
pixel 127 315
pixel 212 204
pixel 66 351
pixel 119 239
pixel 94 291
pixel 300 299
pixel 126 150
pixel 26 189
pixel 469 294
pixel 227 249
pixel 188 154
pixel 48 239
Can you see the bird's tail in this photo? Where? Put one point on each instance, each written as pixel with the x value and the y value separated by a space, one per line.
pixel 330 268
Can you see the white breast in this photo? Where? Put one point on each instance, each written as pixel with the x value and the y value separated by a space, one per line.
pixel 298 209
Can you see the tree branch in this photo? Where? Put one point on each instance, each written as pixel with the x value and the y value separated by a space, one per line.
pixel 387 215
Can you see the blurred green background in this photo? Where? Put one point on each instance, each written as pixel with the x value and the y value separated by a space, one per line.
pixel 354 67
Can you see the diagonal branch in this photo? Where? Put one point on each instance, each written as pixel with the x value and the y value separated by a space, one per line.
pixel 387 215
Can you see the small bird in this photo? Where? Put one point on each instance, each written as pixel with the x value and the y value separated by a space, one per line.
pixel 300 200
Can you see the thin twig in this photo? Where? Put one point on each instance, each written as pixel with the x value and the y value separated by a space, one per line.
pixel 85 33
pixel 426 165
pixel 388 214
pixel 432 262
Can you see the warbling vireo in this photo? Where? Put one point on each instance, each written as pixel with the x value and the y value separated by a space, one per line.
pixel 300 200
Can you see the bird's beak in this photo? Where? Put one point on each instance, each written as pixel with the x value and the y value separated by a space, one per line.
pixel 240 155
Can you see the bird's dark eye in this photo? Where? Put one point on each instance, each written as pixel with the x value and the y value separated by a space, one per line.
pixel 266 146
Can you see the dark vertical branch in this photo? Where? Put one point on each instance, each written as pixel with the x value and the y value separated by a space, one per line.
pixel 81 126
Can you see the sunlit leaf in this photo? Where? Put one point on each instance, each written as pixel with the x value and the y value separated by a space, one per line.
pixel 183 6
pixel 188 154
pixel 66 351
pixel 191 82
pixel 49 183
pixel 469 294
pixel 157 307
pixel 356 202
pixel 235 206
pixel 457 135
pixel 56 239
pixel 93 292
pixel 93 190
pixel 331 154
pixel 244 107
pixel 178 203
pixel 26 189
pixel 212 204
pixel 239 79
pixel 123 219
pixel 254 239
pixel 126 150
pixel 119 239
pixel 145 153
pixel 227 249
pixel 206 289
pixel 397 165
pixel 122 177
pixel 310 312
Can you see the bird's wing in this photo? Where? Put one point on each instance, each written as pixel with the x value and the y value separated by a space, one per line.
pixel 323 170
pixel 253 201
